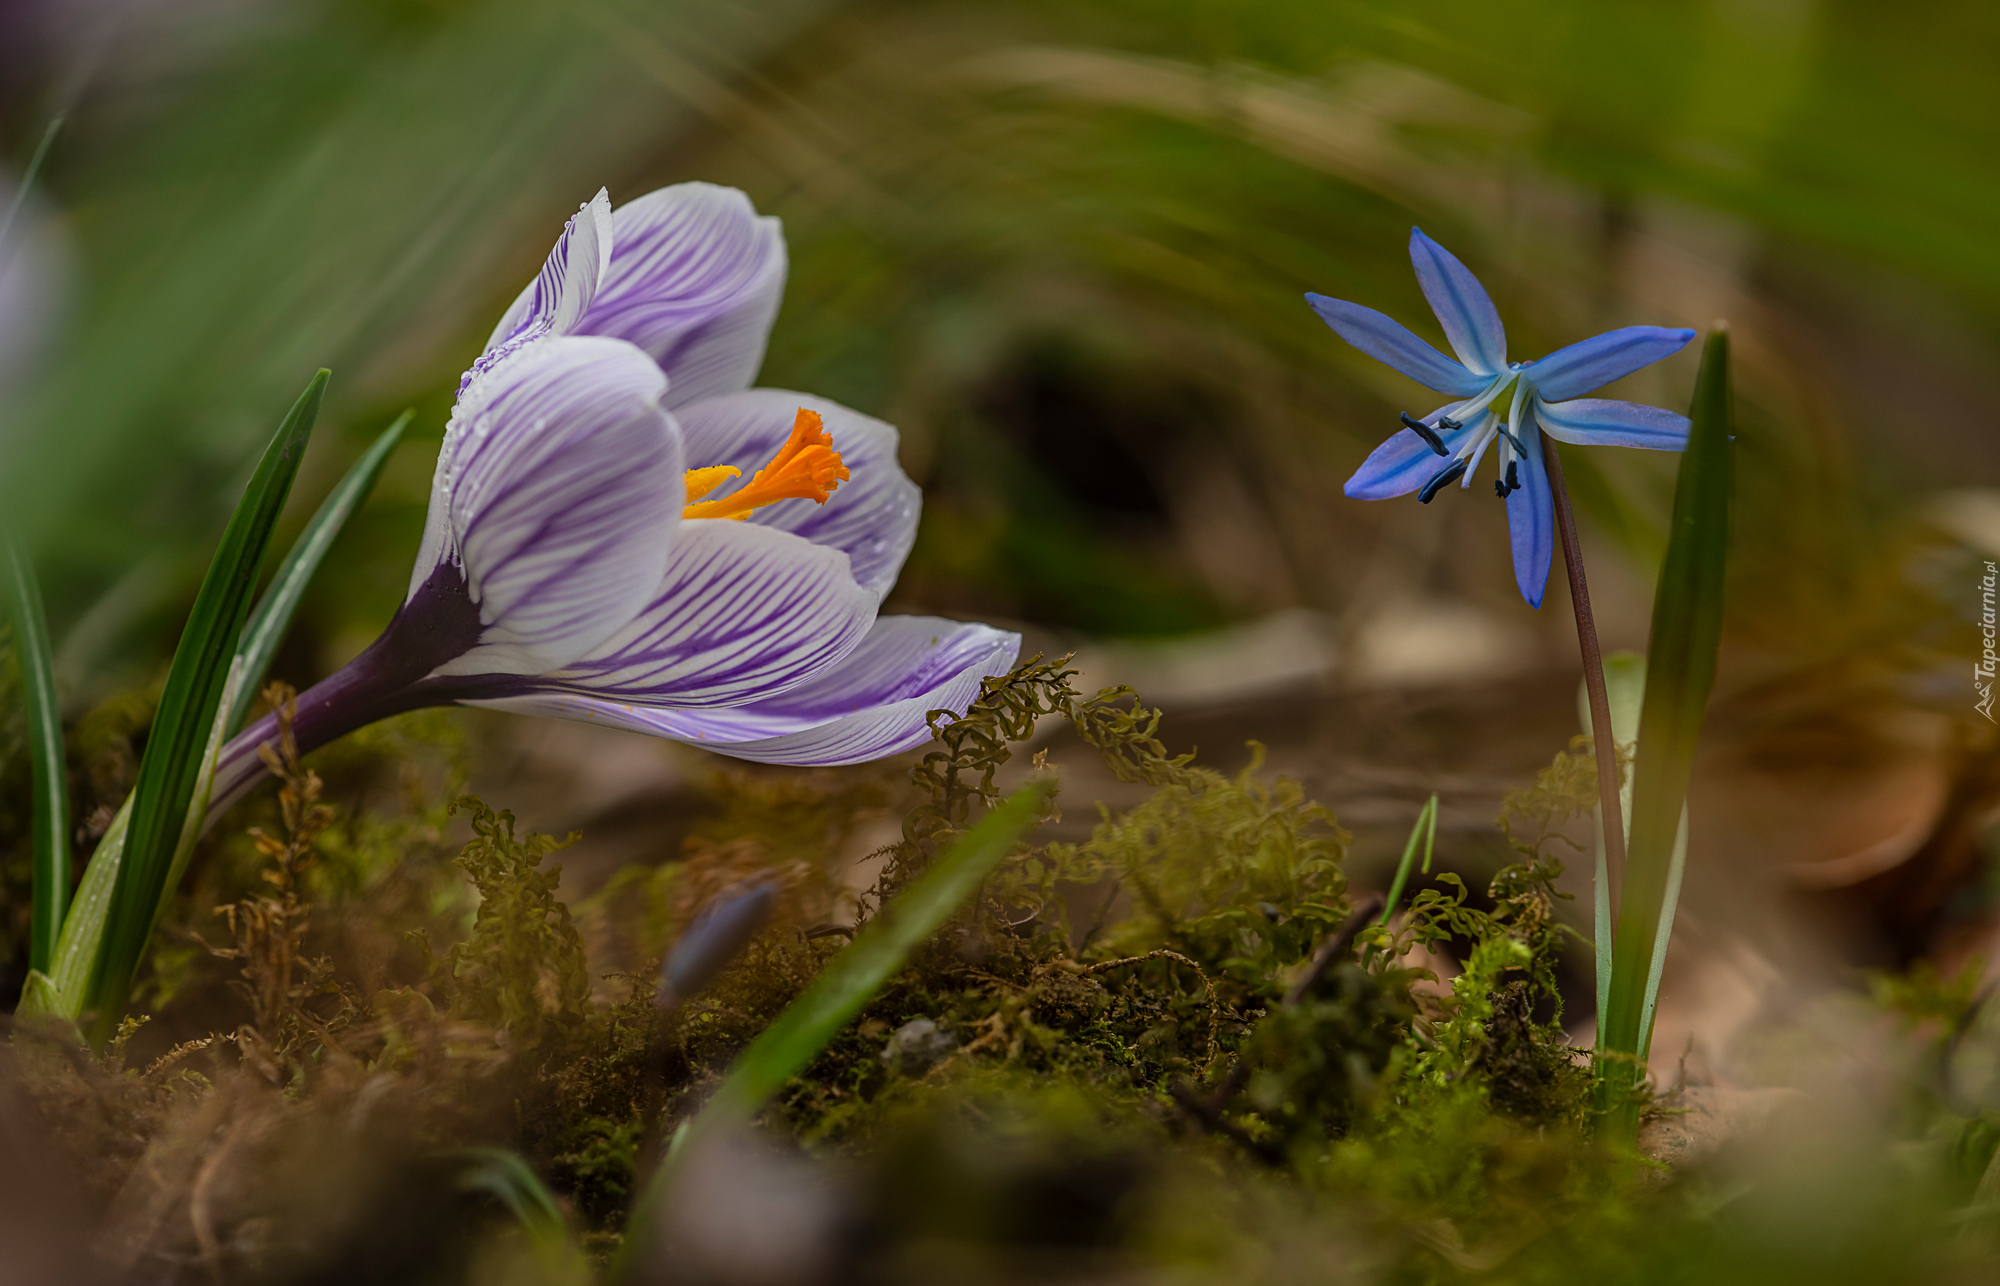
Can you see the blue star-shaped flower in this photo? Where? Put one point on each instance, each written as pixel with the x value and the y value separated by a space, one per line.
pixel 1543 394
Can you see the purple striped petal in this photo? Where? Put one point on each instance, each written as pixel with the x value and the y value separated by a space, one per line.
pixel 1405 462
pixel 742 612
pixel 1463 307
pixel 1596 421
pixel 558 491
pixel 557 298
pixel 1531 518
pixel 872 704
pixel 1387 341
pixel 1594 362
pixel 872 516
pixel 695 280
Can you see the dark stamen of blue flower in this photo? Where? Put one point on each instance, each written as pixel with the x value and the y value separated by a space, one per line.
pixel 1449 474
pixel 1424 431
pixel 1513 483
pixel 1448 424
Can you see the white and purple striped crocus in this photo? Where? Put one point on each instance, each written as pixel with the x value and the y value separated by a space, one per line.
pixel 622 531
pixel 1542 396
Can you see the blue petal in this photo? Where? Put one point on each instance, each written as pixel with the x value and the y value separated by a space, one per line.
pixel 1403 463
pixel 1576 370
pixel 1531 523
pixel 1388 342
pixel 1462 306
pixel 1602 422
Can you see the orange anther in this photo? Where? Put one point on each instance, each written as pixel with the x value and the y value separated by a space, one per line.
pixel 805 468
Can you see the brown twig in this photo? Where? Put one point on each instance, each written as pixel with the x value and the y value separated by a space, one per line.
pixel 1593 680
pixel 1214 1004
pixel 1208 1108
pixel 1335 946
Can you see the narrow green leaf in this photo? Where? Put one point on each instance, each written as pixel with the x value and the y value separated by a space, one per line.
pixel 851 979
pixel 878 951
pixel 1600 923
pixel 1426 829
pixel 194 819
pixel 171 768
pixel 1680 671
pixel 83 928
pixel 1669 904
pixel 273 616
pixel 1625 689
pixel 508 1178
pixel 49 773
pixel 63 991
pixel 27 185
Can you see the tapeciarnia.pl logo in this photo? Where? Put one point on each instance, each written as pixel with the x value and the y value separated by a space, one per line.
pixel 1989 660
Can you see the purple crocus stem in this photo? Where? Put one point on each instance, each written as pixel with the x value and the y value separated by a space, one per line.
pixel 439 622
pixel 1593 677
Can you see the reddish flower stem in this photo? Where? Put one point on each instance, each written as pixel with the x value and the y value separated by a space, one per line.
pixel 1593 679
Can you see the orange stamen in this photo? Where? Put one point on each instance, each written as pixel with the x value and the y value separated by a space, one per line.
pixel 805 468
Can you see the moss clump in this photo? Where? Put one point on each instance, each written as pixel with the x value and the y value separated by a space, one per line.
pixel 521 969
pixel 1179 1042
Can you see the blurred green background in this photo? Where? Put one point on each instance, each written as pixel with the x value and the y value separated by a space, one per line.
pixel 1063 247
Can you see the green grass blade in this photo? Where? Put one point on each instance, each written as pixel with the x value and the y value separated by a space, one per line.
pixel 878 951
pixel 852 978
pixel 67 982
pixel 273 616
pixel 63 989
pixel 49 773
pixel 171 768
pixel 1625 688
pixel 1600 925
pixel 1687 629
pixel 1672 902
pixel 507 1178
pixel 27 185
pixel 195 819
pixel 1426 829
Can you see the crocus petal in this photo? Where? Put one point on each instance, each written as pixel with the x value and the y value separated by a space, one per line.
pixel 1387 341
pixel 548 493
pixel 1597 421
pixel 872 704
pixel 1463 307
pixel 1405 462
pixel 742 612
pixel 695 280
pixel 1594 362
pixel 569 280
pixel 1531 521
pixel 872 516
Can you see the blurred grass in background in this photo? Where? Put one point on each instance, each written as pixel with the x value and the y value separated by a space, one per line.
pixel 1063 247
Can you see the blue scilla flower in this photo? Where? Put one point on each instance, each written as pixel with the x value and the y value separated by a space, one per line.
pixel 1511 403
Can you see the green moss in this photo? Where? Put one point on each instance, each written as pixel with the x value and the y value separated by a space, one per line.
pixel 521 969
pixel 1124 1054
